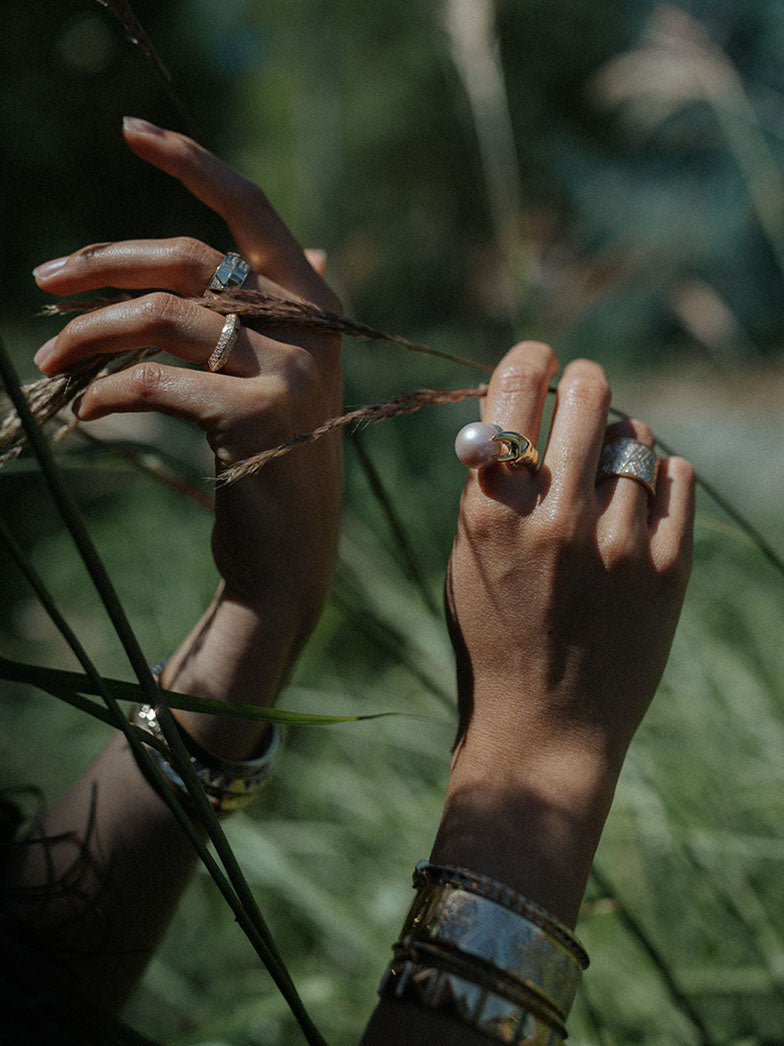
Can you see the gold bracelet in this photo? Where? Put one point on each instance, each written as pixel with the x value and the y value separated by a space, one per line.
pixel 484 886
pixel 441 988
pixel 452 918
pixel 481 952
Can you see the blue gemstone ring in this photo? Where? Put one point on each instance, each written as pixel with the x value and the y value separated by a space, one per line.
pixel 230 274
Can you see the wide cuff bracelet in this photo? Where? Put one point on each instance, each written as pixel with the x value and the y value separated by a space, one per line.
pixel 477 950
pixel 463 998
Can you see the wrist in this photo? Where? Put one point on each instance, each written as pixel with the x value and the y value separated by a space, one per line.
pixel 234 654
pixel 533 823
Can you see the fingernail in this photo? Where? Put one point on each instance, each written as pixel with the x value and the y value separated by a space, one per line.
pixel 77 404
pixel 133 123
pixel 48 269
pixel 44 353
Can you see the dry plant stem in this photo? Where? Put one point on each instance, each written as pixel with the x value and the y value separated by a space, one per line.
pixel 635 930
pixel 406 404
pixel 126 16
pixel 145 461
pixel 270 310
pixel 46 397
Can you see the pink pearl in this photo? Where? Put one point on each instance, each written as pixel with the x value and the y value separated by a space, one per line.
pixel 474 444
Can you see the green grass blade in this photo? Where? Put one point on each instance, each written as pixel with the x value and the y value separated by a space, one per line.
pixel 247 910
pixel 78 683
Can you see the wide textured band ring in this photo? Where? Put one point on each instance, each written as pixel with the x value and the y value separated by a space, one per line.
pixel 480 444
pixel 231 273
pixel 631 459
pixel 228 337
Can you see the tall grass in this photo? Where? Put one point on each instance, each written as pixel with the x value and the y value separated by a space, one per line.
pixel 684 918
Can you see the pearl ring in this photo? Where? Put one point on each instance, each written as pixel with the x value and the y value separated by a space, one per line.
pixel 480 444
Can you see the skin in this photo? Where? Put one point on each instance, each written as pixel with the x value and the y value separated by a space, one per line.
pixel 563 596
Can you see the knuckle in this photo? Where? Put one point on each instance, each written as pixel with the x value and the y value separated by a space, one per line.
pixel 301 379
pixel 190 253
pixel 89 252
pixel 632 429
pixel 585 383
pixel 682 471
pixel 145 379
pixel 514 380
pixel 161 312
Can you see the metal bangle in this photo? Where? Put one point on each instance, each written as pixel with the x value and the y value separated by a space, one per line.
pixel 452 919
pixel 229 785
pixel 426 873
pixel 445 988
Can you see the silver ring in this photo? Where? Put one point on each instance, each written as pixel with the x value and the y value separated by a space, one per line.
pixel 630 459
pixel 225 344
pixel 231 273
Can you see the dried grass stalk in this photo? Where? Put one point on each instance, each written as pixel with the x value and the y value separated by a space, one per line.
pixel 126 16
pixel 264 311
pixel 406 404
pixel 48 396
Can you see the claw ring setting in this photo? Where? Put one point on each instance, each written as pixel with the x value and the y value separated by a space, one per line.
pixel 630 459
pixel 480 444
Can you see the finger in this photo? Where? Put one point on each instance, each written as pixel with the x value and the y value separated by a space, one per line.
pixel 259 233
pixel 152 386
pixel 162 320
pixel 515 400
pixel 577 431
pixel 317 259
pixel 183 265
pixel 671 520
pixel 623 502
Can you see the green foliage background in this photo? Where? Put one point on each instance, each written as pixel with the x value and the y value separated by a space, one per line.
pixel 632 235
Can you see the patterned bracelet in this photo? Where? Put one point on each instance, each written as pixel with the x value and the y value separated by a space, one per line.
pixel 485 954
pixel 229 785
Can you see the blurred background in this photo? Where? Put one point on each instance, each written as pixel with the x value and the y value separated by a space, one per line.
pixel 607 177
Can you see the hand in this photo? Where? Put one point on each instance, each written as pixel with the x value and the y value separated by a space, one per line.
pixel 563 597
pixel 275 534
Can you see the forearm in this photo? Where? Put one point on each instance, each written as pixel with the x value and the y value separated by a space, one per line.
pixel 107 848
pixel 535 829
pixel 237 654
pixel 131 854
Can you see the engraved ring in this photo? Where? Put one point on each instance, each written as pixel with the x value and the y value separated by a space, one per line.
pixel 225 344
pixel 631 459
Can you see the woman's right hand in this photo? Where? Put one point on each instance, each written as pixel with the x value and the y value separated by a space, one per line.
pixel 563 597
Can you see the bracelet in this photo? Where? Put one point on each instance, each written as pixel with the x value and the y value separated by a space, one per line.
pixel 443 989
pixel 455 920
pixel 229 784
pixel 483 886
pixel 481 952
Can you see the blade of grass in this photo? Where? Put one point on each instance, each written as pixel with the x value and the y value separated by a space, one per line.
pixel 635 929
pixel 248 912
pixel 395 523
pixel 55 679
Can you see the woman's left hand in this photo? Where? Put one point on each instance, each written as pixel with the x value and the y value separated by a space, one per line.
pixel 275 534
